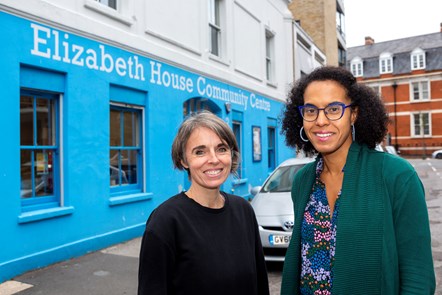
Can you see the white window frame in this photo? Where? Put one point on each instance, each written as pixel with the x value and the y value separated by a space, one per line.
pixel 270 55
pixel 417 59
pixel 109 3
pixel 422 90
pixel 122 12
pixel 413 124
pixel 385 63
pixel 357 67
pixel 215 21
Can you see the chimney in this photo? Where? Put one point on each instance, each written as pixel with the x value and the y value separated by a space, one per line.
pixel 369 40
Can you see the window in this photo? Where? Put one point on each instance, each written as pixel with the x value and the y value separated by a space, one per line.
pixel 385 63
pixel 269 55
pixel 39 150
pixel 342 57
pixel 376 89
pixel 215 27
pixel 417 59
pixel 110 3
pixel 237 118
pixel 356 66
pixel 271 144
pixel 340 22
pixel 420 91
pixel 421 124
pixel 125 170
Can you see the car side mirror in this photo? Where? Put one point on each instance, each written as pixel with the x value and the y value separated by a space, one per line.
pixel 255 190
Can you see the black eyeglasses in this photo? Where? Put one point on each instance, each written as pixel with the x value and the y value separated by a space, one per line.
pixel 333 111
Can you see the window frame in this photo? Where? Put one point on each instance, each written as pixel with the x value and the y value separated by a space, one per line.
pixel 238 129
pixel 139 186
pixel 413 124
pixel 271 148
pixel 55 199
pixel 417 59
pixel 109 3
pixel 357 67
pixel 215 26
pixel 270 55
pixel 421 90
pixel 385 63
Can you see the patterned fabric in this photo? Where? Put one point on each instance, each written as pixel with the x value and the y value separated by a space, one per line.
pixel 318 240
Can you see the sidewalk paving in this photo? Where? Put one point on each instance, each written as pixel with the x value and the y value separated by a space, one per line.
pixel 111 271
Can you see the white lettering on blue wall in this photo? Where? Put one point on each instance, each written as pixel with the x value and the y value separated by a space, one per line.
pixel 204 87
pixel 260 104
pixel 169 79
pixel 47 44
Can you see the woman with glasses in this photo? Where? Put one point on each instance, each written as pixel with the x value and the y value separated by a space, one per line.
pixel 203 241
pixel 361 221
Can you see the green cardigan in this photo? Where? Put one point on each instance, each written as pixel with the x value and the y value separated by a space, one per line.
pixel 383 242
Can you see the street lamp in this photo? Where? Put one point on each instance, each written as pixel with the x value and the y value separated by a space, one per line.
pixel 396 145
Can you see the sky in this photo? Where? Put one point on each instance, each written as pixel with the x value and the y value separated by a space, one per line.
pixel 386 20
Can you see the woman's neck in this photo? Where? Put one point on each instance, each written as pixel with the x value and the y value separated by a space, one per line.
pixel 210 198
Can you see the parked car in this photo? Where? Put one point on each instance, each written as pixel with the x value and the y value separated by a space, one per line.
pixel 391 150
pixel 437 154
pixel 388 149
pixel 274 208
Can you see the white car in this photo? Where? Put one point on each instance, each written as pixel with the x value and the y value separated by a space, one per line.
pixel 274 208
pixel 437 154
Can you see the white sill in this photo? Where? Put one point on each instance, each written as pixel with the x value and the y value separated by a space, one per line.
pixel 107 11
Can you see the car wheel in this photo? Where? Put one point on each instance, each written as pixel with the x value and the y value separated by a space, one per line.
pixel 439 156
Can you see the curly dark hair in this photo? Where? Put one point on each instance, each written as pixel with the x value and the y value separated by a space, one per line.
pixel 372 120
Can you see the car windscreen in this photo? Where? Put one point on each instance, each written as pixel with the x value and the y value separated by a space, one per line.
pixel 281 180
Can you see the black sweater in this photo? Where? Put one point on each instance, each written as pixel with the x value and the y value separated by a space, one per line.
pixel 190 249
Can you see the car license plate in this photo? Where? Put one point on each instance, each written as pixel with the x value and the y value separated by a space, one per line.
pixel 279 239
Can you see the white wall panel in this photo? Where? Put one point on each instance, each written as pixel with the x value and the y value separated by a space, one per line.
pixel 248 43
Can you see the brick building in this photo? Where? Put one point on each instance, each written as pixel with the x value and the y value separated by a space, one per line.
pixel 408 74
pixel 323 21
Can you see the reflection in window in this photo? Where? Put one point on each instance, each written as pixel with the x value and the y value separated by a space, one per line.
pixel 38 148
pixel 125 148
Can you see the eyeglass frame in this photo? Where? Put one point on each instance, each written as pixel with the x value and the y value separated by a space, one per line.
pixel 343 105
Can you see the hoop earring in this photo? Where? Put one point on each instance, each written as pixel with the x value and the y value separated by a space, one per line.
pixel 300 134
pixel 353 132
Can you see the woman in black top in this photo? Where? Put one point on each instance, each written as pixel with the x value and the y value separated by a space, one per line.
pixel 203 241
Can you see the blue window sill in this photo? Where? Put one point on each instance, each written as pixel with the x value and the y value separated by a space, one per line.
pixel 120 200
pixel 44 214
pixel 239 181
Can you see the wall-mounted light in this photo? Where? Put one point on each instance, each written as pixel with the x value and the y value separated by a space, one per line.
pixel 228 107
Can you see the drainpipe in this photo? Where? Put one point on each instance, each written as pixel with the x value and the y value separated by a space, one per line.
pixel 396 145
pixel 293 50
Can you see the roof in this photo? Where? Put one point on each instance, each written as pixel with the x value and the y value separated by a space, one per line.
pixel 403 45
pixel 400 50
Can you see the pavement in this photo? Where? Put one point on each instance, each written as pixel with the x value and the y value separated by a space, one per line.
pixel 114 270
pixel 111 271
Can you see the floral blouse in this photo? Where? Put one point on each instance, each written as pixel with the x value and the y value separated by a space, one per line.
pixel 318 240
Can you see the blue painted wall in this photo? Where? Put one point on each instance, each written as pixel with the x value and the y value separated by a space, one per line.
pixel 32 55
